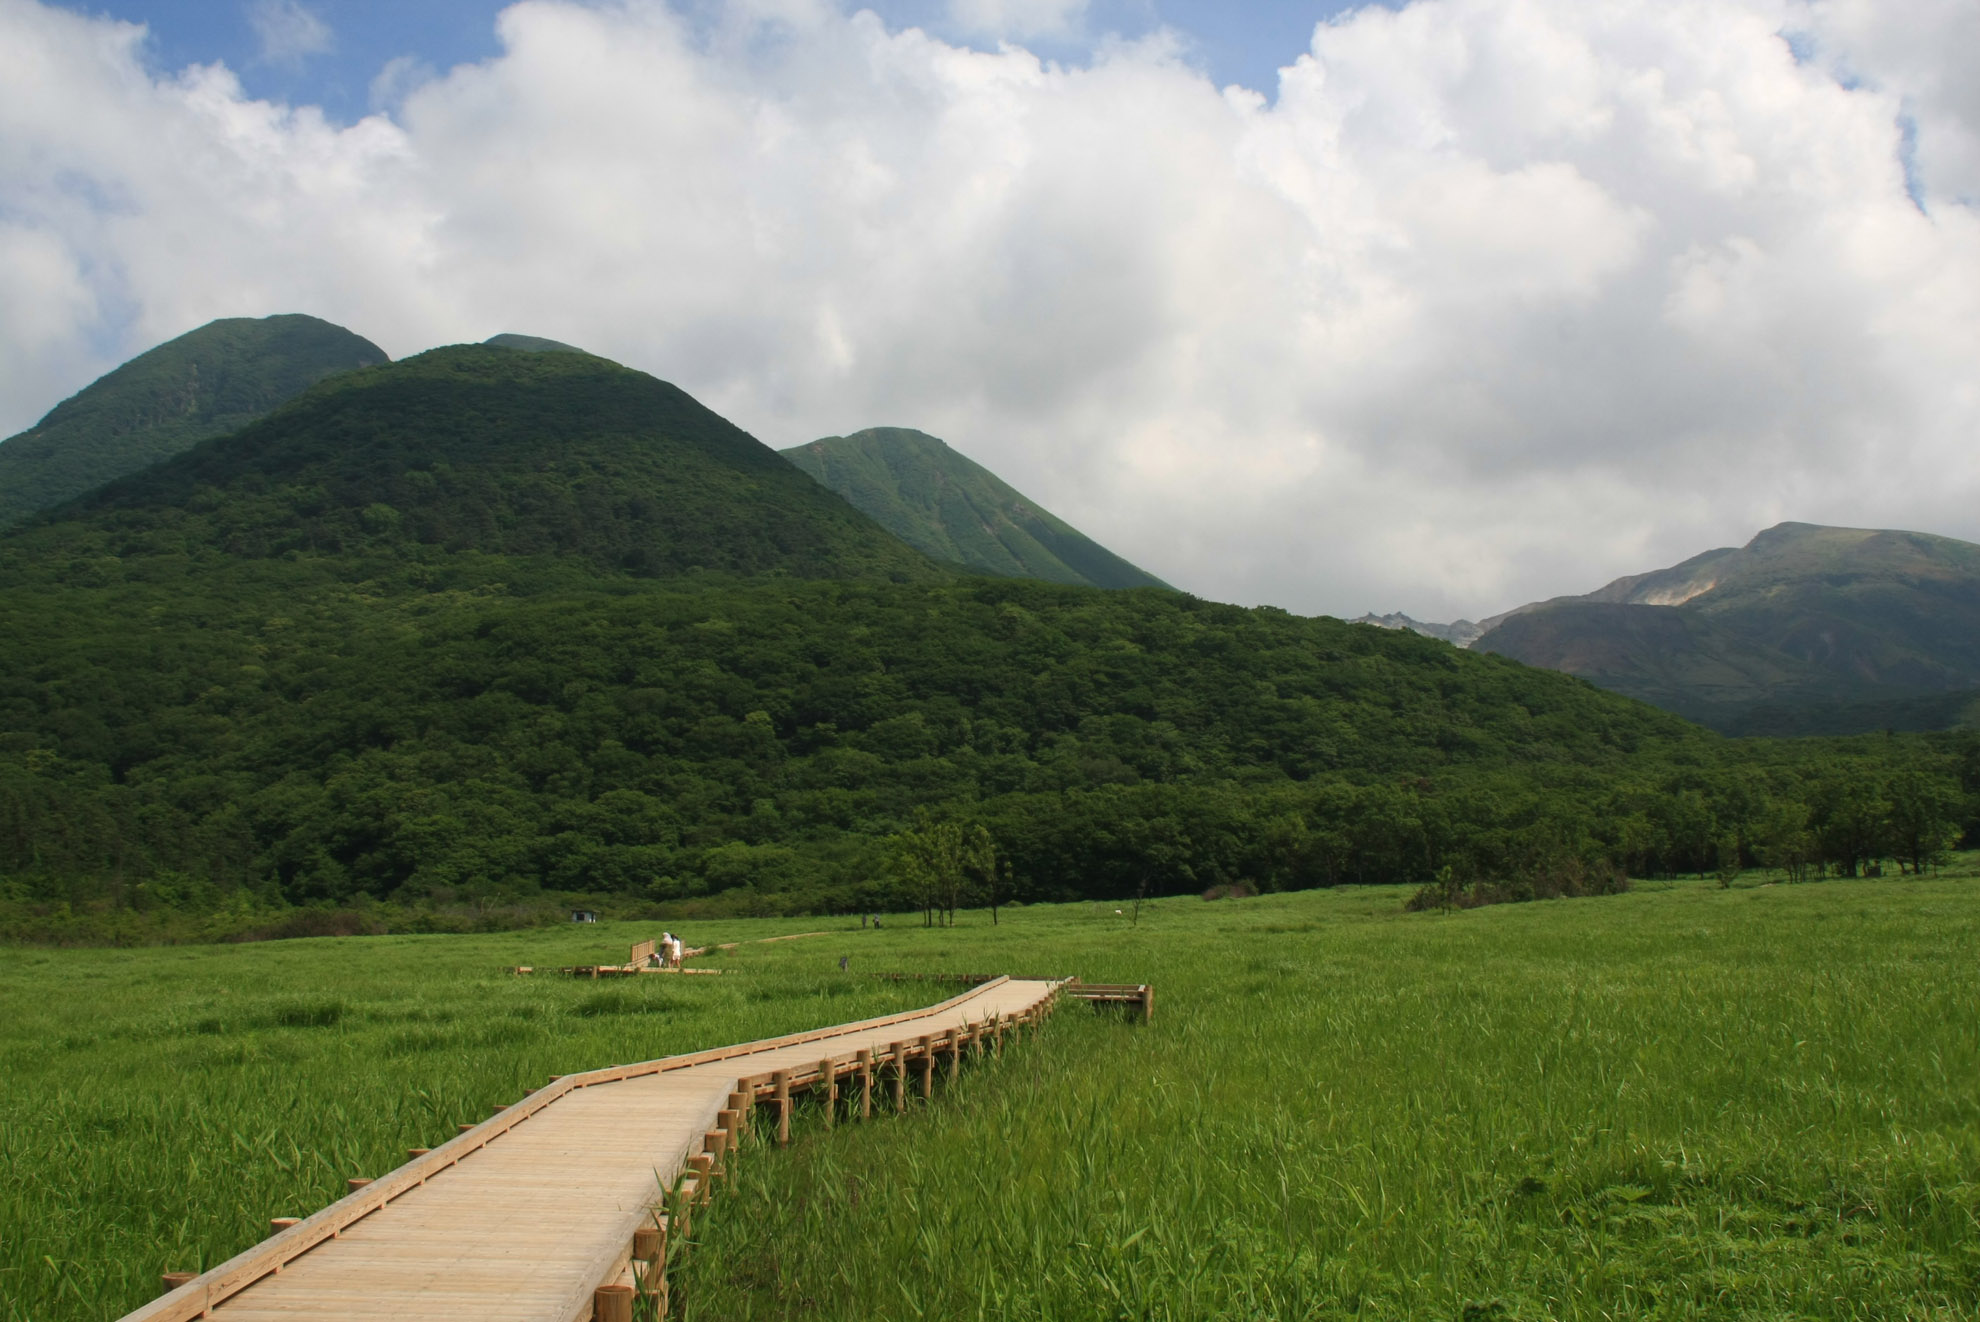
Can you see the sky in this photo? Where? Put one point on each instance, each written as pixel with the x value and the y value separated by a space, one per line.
pixel 1441 306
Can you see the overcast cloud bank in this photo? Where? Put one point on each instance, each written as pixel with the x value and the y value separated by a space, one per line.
pixel 1492 300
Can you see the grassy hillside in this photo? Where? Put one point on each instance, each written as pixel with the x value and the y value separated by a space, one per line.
pixel 205 383
pixel 1823 628
pixel 492 451
pixel 956 510
pixel 1682 1102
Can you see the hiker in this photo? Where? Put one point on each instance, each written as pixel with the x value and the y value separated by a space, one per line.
pixel 842 963
pixel 862 922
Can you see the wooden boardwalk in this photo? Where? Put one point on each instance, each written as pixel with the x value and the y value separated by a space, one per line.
pixel 562 1204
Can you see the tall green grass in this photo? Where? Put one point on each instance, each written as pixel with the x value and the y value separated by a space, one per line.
pixel 1680 1102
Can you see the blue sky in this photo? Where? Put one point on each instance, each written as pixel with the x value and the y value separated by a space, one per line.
pixel 328 52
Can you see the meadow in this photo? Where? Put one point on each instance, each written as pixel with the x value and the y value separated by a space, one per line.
pixel 1684 1101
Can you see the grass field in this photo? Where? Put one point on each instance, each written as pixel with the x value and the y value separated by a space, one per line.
pixel 1679 1102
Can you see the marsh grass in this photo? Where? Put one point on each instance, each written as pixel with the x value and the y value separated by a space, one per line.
pixel 1679 1102
pixel 1685 1102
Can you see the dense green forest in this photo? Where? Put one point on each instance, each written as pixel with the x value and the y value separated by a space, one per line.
pixel 456 638
pixel 268 734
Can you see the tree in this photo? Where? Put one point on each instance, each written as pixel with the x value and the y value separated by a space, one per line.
pixel 1784 840
pixel 932 859
pixel 981 861
pixel 1924 818
pixel 1850 821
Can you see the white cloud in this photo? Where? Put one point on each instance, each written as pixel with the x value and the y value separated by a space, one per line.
pixel 287 31
pixel 1018 20
pixel 1496 300
pixel 400 77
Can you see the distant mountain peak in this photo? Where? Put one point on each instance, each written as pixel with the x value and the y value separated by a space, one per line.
pixel 947 506
pixel 1458 633
pixel 1803 616
pixel 205 383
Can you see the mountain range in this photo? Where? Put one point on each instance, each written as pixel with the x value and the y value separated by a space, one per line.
pixel 501 619
pixel 326 448
pixel 1805 629
pixel 501 452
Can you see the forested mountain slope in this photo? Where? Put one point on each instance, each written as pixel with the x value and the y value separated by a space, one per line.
pixel 203 384
pixel 1858 622
pixel 956 510
pixel 257 724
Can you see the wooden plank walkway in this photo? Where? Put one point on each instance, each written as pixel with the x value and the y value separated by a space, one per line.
pixel 525 1216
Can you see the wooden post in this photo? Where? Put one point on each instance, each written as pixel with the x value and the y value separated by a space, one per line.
pixel 997 1035
pixel 900 1076
pixel 1148 1004
pixel 681 1221
pixel 358 1182
pixel 927 1066
pixel 783 1083
pixel 712 1143
pixel 650 1247
pixel 955 1053
pixel 703 1165
pixel 416 1152
pixel 464 1128
pixel 866 1083
pixel 278 1224
pixel 740 1102
pixel 173 1280
pixel 612 1303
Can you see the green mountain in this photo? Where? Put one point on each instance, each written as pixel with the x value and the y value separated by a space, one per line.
pixel 530 343
pixel 953 509
pixel 488 450
pixel 205 383
pixel 1861 624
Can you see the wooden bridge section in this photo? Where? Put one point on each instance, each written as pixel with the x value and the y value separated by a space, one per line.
pixel 559 1208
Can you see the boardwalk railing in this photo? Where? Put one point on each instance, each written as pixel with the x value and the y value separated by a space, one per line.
pixel 616 1270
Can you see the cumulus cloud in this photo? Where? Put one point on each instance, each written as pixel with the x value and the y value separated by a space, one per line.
pixel 287 31
pixel 1489 301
